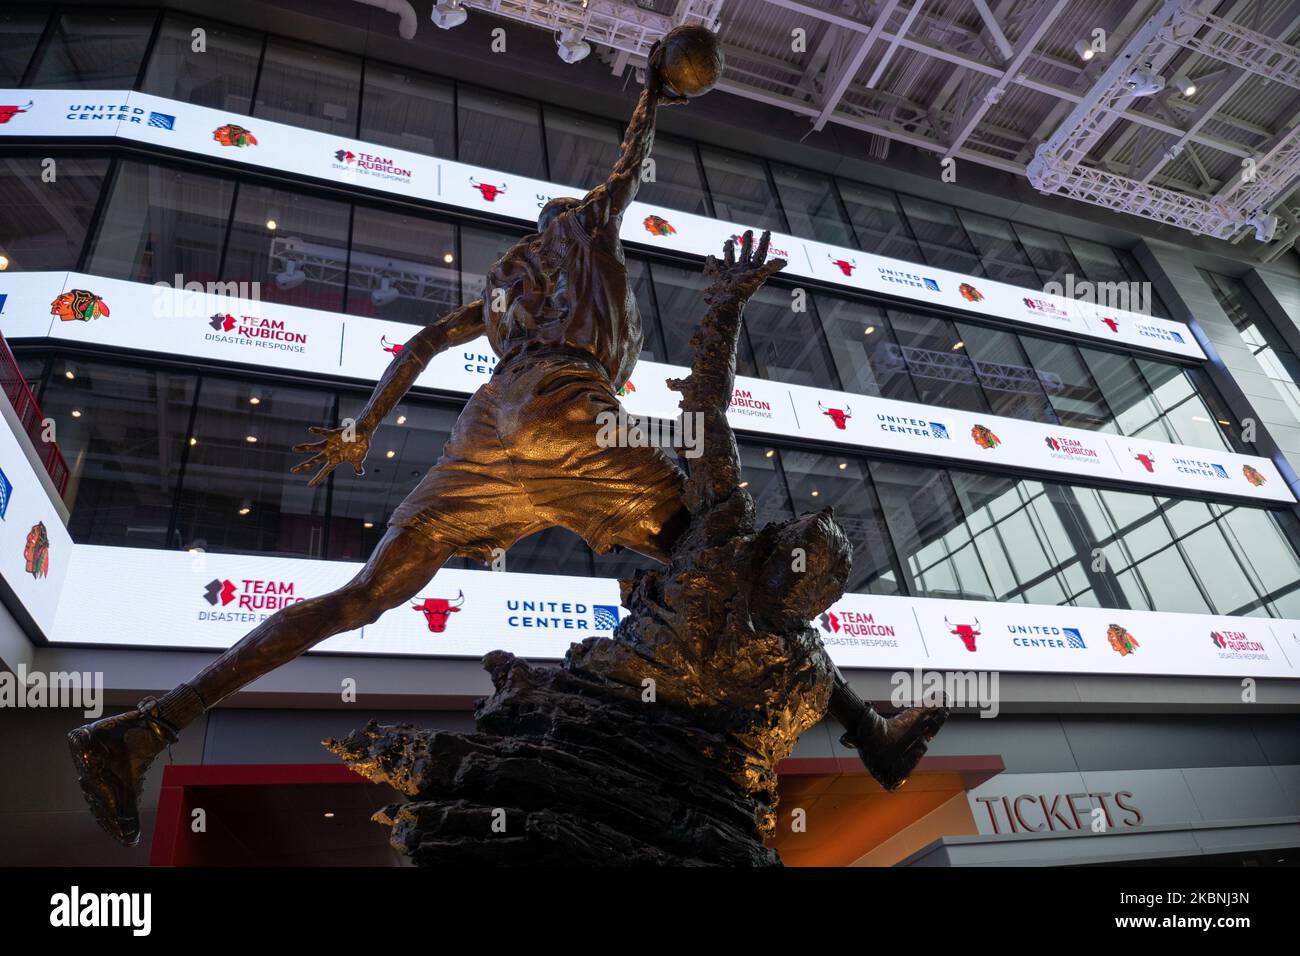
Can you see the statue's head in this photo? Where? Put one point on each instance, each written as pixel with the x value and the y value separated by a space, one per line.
pixel 554 208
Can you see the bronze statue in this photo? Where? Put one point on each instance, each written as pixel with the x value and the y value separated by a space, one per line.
pixel 559 312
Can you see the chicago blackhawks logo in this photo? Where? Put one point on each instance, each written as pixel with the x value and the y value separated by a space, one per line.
pixel 36 552
pixel 78 305
pixel 1253 475
pixel 233 135
pixel 658 226
pixel 984 437
pixel 627 388
pixel 969 292
pixel 1121 640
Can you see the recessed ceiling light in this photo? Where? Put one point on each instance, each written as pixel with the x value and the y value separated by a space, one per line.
pixel 868 330
pixel 390 453
pixel 251 439
pixel 448 258
pixel 272 225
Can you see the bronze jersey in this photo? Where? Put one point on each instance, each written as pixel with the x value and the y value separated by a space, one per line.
pixel 567 287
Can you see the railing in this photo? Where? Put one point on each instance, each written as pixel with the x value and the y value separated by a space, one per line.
pixel 30 416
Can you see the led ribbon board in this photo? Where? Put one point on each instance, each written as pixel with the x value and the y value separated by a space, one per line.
pixel 242 140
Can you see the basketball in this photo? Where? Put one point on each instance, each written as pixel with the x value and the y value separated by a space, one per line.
pixel 692 61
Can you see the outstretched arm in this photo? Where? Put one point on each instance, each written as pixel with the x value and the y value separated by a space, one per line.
pixel 609 199
pixel 351 442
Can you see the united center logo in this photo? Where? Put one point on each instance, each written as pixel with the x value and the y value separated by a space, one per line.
pixel 910 279
pixel 255 331
pixel 914 427
pixel 1045 637
pixel 561 616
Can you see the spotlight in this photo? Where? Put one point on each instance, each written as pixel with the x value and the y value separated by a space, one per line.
pixel 69 371
pixel 448 258
pixel 272 225
pixel 1265 226
pixel 959 345
pixel 401 419
pixel 290 278
pixel 76 413
pixel 1085 51
pixel 245 506
pixel 447 14
pixel 251 439
pixel 1187 88
pixel 4 263
pixel 390 454
pixel 193 441
pixel 1144 81
pixel 255 399
pixel 868 330
pixel 571 47
pixel 385 293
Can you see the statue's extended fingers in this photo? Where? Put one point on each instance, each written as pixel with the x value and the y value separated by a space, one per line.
pixel 711 265
pixel 729 252
pixel 747 247
pixel 761 252
pixel 322 474
pixel 309 464
pixel 772 267
pixel 308 446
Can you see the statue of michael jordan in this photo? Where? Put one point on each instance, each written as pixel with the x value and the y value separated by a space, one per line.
pixel 559 312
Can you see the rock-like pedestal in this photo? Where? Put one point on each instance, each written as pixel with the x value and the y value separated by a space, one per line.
pixel 659 745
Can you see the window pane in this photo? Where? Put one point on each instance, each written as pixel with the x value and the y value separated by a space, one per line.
pixel 1070 387
pixel 1048 253
pixel 122 432
pixel 929 532
pixel 361 504
pixel 95 50
pixel 20 31
pixel 1010 384
pixel 809 202
pixel 302 260
pixel 582 150
pixel 1127 395
pixel 309 86
pixel 679 294
pixel 1097 261
pixel 652 346
pixel 222 76
pixel 787 345
pixel 677 183
pixel 868 359
pixel 1186 415
pixel 817 481
pixel 939 231
pixel 1168 581
pixel 500 132
pixel 741 194
pixel 934 353
pixel 160 222
pixel 999 250
pixel 402 267
pixel 408 110
pixel 238 495
pixel 878 222
pixel 1219 573
pixel 1257 330
pixel 43 225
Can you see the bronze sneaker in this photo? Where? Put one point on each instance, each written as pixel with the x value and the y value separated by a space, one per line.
pixel 111 757
pixel 891 747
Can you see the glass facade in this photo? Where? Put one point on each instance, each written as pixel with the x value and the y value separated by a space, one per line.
pixel 266 76
pixel 170 459
pixel 1278 361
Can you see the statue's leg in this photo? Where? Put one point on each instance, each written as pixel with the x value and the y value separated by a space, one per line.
pixel 890 747
pixel 112 754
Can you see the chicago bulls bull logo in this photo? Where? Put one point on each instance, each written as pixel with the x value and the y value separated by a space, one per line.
pixel 967 632
pixel 390 347
pixel 487 190
pixel 435 610
pixel 1148 461
pixel 1110 324
pixel 78 305
pixel 845 265
pixel 9 112
pixel 839 416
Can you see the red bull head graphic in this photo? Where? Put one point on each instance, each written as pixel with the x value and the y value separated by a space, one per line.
pixel 9 112
pixel 839 416
pixel 233 135
pixel 390 347
pixel 845 265
pixel 1148 461
pixel 488 191
pixel 967 632
pixel 658 226
pixel 78 305
pixel 1110 324
pixel 435 610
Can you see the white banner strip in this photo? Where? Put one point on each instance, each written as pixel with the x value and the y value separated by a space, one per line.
pixel 93 311
pixel 145 598
pixel 1097 311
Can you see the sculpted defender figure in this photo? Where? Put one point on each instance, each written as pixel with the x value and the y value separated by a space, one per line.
pixel 559 312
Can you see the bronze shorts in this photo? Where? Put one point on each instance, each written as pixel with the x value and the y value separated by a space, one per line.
pixel 523 457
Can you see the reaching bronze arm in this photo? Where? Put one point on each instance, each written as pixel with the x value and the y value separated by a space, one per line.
pixel 351 442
